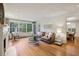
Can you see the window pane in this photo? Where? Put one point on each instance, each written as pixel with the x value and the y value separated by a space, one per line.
pixel 13 24
pixel 29 27
pixel 22 27
pixel 12 30
pixel 13 27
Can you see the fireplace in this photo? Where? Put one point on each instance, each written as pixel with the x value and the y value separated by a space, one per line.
pixel 4 44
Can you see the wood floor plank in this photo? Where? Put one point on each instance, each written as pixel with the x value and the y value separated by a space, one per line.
pixel 24 48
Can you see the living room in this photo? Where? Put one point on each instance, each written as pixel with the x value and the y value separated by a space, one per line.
pixel 38 25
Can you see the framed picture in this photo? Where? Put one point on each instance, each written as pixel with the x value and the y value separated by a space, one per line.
pixel 1 13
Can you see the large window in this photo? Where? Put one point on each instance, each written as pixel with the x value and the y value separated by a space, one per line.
pixel 20 27
pixel 13 27
pixel 72 30
pixel 29 27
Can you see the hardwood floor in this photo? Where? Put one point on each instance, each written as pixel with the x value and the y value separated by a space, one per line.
pixel 24 48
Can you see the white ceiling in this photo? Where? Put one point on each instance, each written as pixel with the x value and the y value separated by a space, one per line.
pixel 34 12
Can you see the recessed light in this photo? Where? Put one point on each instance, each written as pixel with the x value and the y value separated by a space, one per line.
pixel 71 18
pixel 68 23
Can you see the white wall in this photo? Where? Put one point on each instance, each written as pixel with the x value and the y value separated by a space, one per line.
pixel 57 22
pixel 44 25
pixel 77 28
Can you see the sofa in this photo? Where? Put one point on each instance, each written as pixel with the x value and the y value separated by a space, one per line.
pixel 48 38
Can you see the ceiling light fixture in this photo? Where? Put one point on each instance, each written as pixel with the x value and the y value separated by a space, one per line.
pixel 68 23
pixel 71 18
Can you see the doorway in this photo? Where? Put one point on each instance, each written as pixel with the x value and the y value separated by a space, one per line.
pixel 71 30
